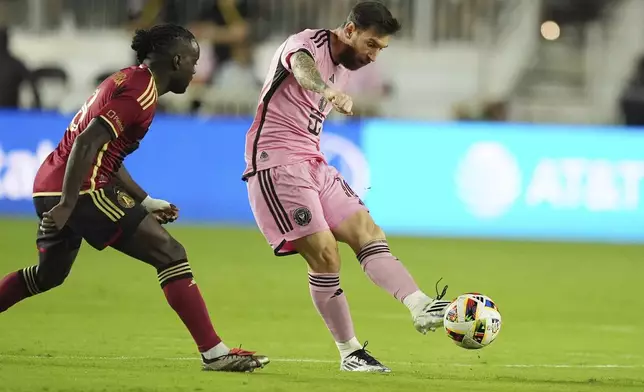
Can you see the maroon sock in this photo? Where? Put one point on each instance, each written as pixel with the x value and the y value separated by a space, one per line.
pixel 13 289
pixel 184 297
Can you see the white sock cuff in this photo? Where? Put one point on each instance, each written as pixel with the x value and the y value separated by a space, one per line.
pixel 348 347
pixel 219 350
pixel 414 299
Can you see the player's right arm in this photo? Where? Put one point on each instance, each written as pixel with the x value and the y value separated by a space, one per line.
pixel 306 72
pixel 308 77
pixel 82 155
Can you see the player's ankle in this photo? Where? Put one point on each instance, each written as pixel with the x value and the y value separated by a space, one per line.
pixel 416 301
pixel 348 347
pixel 217 351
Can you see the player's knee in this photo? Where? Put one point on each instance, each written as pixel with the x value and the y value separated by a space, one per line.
pixel 177 251
pixel 325 258
pixel 172 252
pixel 359 230
pixel 174 270
pixel 48 281
pixel 371 231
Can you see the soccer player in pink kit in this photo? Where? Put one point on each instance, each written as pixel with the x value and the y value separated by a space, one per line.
pixel 303 205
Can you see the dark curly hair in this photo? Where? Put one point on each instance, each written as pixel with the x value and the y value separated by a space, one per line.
pixel 158 39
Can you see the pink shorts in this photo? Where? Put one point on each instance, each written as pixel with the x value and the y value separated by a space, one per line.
pixel 294 201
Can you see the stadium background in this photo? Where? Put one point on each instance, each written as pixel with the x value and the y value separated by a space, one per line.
pixel 497 142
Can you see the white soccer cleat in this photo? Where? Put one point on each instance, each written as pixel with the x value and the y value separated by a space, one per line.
pixel 361 361
pixel 430 316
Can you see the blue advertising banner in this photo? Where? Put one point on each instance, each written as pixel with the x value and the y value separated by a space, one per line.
pixel 470 179
pixel 195 163
pixel 505 180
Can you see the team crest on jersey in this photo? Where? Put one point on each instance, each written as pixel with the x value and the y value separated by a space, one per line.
pixel 119 78
pixel 322 104
pixel 302 216
pixel 125 200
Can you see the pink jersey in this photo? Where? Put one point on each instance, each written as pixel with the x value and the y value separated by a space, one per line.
pixel 289 119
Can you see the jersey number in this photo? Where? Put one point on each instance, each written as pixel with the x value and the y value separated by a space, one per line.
pixel 315 122
pixel 80 116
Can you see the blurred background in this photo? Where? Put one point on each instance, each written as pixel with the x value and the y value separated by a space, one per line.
pixel 559 61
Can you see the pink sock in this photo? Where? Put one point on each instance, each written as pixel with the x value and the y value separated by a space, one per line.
pixel 331 303
pixel 385 270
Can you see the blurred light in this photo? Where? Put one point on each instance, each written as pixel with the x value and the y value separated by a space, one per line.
pixel 550 30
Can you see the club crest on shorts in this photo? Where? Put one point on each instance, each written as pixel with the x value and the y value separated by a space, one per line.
pixel 125 200
pixel 302 216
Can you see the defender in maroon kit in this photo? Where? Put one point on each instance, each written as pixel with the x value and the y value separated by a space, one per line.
pixel 82 191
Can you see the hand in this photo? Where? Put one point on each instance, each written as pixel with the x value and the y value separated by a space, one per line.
pixel 154 205
pixel 342 102
pixel 55 219
pixel 167 215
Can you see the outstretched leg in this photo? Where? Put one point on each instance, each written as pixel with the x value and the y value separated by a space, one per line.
pixel 369 243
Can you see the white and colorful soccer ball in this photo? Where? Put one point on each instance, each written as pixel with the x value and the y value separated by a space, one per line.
pixel 472 321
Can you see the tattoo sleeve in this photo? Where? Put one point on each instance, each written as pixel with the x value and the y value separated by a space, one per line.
pixel 306 73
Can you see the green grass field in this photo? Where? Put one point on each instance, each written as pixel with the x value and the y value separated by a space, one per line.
pixel 572 318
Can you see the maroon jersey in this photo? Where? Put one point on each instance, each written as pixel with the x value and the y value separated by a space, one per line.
pixel 126 102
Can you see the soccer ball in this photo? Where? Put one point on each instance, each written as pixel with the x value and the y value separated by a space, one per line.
pixel 472 321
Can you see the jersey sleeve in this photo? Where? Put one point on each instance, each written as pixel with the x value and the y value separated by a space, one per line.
pixel 131 105
pixel 303 42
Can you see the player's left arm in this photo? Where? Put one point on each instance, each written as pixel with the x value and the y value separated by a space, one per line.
pixel 163 211
pixel 133 107
pixel 131 187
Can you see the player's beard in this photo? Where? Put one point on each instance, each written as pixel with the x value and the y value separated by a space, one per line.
pixel 349 58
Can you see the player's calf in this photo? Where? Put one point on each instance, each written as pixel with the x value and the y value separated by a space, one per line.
pixel 13 289
pixel 53 269
pixel 372 251
pixel 26 283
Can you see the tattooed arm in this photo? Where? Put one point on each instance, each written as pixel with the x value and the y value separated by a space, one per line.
pixel 308 76
pixel 306 72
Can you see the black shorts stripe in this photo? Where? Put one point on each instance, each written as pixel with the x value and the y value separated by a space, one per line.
pixel 270 202
pixel 344 187
pixel 271 189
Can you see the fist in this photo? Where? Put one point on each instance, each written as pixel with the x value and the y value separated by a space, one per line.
pixel 342 102
pixel 168 215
